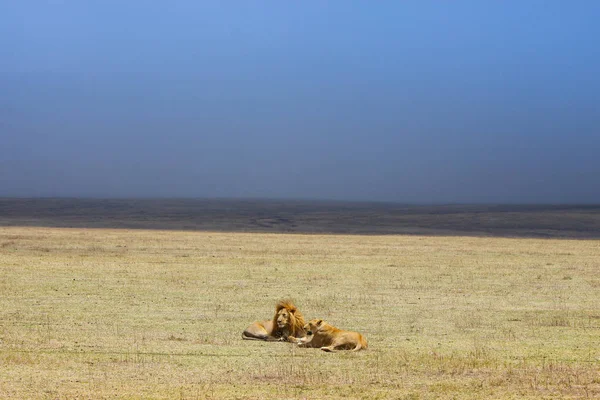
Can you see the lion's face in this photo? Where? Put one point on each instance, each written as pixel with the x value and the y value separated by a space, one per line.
pixel 283 318
pixel 313 326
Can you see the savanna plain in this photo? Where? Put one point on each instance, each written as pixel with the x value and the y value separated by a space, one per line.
pixel 133 313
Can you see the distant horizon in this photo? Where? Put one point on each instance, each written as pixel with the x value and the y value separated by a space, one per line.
pixel 306 200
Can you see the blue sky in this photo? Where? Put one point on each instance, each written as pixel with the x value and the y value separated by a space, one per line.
pixel 419 102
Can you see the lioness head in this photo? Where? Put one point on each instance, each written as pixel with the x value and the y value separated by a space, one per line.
pixel 313 326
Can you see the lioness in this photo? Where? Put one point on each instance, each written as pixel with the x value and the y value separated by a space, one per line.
pixel 329 338
pixel 287 321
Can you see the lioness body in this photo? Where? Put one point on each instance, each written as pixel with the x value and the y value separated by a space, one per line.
pixel 329 338
pixel 287 321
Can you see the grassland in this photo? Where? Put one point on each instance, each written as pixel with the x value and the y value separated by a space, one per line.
pixel 118 313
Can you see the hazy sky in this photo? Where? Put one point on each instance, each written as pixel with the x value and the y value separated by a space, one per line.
pixel 408 101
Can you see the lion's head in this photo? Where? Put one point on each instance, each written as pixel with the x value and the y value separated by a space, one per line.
pixel 288 318
pixel 313 326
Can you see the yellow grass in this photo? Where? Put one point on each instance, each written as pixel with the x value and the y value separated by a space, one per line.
pixel 155 314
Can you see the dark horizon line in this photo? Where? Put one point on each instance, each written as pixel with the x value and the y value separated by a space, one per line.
pixel 305 199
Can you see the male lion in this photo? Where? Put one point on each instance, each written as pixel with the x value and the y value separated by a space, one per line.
pixel 287 321
pixel 329 338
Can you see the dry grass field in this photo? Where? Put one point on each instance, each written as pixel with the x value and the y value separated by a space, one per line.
pixel 107 313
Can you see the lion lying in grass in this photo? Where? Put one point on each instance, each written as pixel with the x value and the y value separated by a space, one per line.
pixel 329 338
pixel 287 321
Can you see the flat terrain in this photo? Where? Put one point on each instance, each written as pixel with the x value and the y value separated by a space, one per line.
pixel 119 313
pixel 560 221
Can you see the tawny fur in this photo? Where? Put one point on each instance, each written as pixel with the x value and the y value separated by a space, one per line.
pixel 329 338
pixel 287 321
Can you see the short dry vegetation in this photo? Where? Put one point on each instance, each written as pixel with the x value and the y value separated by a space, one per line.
pixel 99 313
